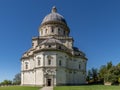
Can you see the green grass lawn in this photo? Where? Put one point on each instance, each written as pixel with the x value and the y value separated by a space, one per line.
pixel 19 88
pixel 87 87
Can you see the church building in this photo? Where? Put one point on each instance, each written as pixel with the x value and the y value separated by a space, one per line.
pixel 53 60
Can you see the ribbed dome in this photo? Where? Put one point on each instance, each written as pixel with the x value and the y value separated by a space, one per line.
pixel 54 16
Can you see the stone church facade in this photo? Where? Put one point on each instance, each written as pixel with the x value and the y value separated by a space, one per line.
pixel 52 59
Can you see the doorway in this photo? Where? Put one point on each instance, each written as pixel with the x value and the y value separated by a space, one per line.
pixel 49 82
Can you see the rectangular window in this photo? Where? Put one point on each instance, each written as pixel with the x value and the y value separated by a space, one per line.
pixel 38 62
pixel 60 63
pixel 46 31
pixel 26 65
pixel 79 66
pixel 52 29
pixel 64 33
pixel 49 61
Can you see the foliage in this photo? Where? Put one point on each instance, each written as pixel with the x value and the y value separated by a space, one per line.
pixel 110 73
pixel 119 80
pixel 109 65
pixel 6 82
pixel 95 74
pixel 107 77
pixel 106 73
pixel 92 75
pixel 17 79
pixel 102 72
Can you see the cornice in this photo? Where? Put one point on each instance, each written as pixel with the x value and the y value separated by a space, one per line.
pixel 56 23
pixel 53 49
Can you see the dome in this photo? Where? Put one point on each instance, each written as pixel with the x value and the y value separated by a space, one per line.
pixel 54 16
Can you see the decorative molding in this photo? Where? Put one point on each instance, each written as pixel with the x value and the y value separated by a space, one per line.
pixel 49 57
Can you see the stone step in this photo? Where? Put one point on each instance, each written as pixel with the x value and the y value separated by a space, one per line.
pixel 47 88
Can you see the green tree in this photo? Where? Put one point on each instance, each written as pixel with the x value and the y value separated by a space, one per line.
pixel 89 75
pixel 112 75
pixel 6 82
pixel 109 65
pixel 118 65
pixel 102 72
pixel 17 79
pixel 92 76
pixel 95 74
pixel 119 80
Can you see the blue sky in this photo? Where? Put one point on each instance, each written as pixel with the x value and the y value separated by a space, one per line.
pixel 94 25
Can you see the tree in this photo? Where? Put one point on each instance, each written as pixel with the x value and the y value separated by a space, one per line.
pixel 6 82
pixel 95 74
pixel 107 74
pixel 89 76
pixel 92 76
pixel 112 75
pixel 109 65
pixel 118 65
pixel 119 80
pixel 102 72
pixel 89 73
pixel 17 79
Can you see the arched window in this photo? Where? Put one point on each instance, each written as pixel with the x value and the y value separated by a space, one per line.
pixel 60 63
pixel 26 65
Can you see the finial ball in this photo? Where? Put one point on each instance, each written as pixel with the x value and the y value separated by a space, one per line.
pixel 54 9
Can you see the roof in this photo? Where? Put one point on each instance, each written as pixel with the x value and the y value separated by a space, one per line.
pixel 54 16
pixel 51 41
